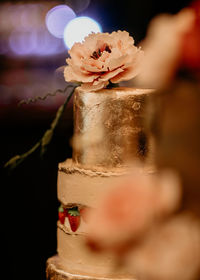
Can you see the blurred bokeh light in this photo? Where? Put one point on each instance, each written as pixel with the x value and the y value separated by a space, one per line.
pixel 57 18
pixel 38 43
pixel 23 32
pixel 78 28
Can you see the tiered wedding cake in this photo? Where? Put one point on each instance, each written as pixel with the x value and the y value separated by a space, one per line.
pixel 109 134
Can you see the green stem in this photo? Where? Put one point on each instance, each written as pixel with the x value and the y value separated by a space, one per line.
pixel 46 138
pixel 16 160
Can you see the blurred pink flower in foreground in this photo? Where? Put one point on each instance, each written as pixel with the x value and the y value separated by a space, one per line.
pixel 170 251
pixel 129 210
pixel 163 48
pixel 101 58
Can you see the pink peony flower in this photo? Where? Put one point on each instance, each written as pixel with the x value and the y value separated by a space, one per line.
pixel 101 58
pixel 129 210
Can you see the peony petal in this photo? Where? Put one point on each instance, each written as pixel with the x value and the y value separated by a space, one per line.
pixel 107 76
pixel 117 62
pixel 92 68
pixel 75 74
pixel 92 65
pixel 92 87
pixel 127 74
pixel 131 69
pixel 90 41
pixel 77 52
pixel 69 75
pixel 105 55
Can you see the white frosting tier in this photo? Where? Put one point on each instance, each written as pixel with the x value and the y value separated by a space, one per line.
pixel 81 186
pixel 77 185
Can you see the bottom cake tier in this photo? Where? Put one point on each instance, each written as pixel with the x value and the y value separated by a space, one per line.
pixel 57 269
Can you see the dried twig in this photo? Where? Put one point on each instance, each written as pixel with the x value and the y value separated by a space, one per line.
pixel 37 98
pixel 46 138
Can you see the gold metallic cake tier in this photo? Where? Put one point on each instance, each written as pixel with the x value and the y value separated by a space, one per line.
pixel 109 127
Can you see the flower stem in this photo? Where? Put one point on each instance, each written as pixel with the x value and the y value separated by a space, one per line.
pixel 46 138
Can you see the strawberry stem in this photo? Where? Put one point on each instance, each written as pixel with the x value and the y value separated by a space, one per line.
pixel 73 211
pixel 60 209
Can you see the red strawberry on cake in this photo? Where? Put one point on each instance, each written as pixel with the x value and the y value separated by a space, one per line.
pixel 61 214
pixel 73 215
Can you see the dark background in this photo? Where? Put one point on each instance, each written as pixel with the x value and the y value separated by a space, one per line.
pixel 28 194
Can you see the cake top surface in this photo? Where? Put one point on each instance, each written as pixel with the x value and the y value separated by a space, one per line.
pixel 119 90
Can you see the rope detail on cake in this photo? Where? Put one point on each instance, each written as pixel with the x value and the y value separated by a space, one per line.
pixel 89 172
